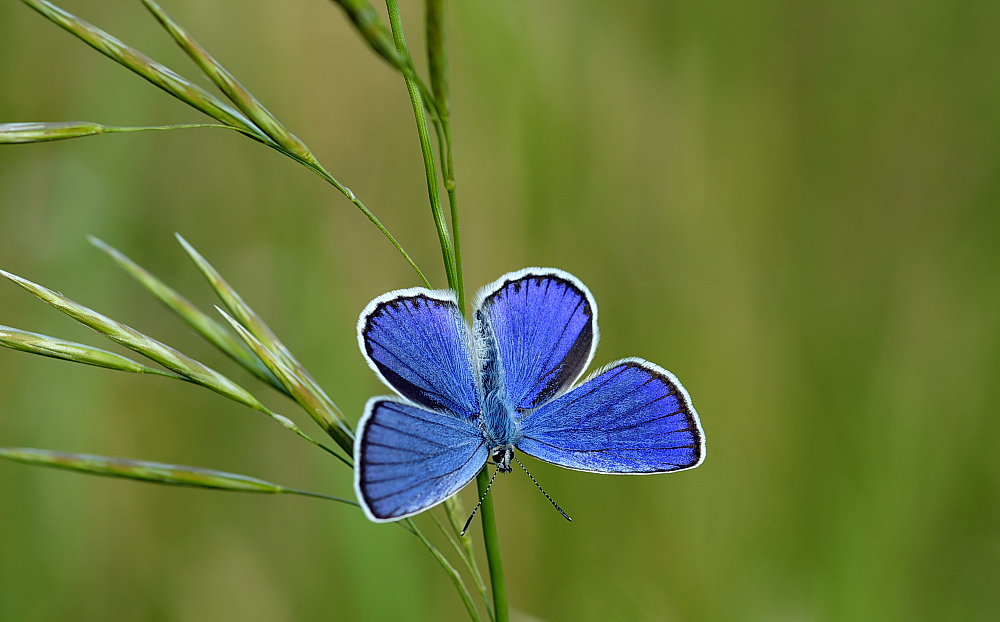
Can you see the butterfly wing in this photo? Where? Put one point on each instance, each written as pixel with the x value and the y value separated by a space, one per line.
pixel 632 417
pixel 408 459
pixel 419 345
pixel 543 324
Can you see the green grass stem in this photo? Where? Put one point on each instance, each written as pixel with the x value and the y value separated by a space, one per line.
pixel 430 169
pixel 199 321
pixel 438 64
pixel 155 73
pixel 492 544
pixel 470 562
pixel 51 347
pixel 228 84
pixel 456 578
pixel 299 389
pixel 37 132
pixel 457 515
pixel 154 472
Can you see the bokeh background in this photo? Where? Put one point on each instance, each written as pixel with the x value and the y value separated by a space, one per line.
pixel 791 205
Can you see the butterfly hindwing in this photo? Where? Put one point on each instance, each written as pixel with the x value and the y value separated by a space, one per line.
pixel 419 345
pixel 543 322
pixel 632 417
pixel 408 459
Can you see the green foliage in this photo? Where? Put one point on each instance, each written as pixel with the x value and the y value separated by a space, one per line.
pixel 792 206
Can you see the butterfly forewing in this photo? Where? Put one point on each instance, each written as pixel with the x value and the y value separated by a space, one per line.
pixel 544 323
pixel 632 417
pixel 409 459
pixel 418 343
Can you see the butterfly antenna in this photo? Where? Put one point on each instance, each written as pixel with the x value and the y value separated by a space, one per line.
pixel 483 498
pixel 554 504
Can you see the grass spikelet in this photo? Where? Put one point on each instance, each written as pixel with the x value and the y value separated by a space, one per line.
pixel 234 302
pixel 132 339
pixel 20 133
pixel 367 21
pixel 153 472
pixel 300 390
pixel 229 85
pixel 16 133
pixel 364 17
pixel 204 325
pixel 257 327
pixel 154 72
pixel 72 351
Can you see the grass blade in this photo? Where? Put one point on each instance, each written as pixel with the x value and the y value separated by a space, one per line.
pixel 437 53
pixel 204 325
pixel 464 553
pixel 300 390
pixel 153 472
pixel 132 339
pixel 199 98
pixel 229 85
pixel 171 82
pixel 185 367
pixel 455 511
pixel 430 170
pixel 20 133
pixel 367 21
pixel 257 327
pixel 456 578
pixel 234 302
pixel 16 133
pixel 44 345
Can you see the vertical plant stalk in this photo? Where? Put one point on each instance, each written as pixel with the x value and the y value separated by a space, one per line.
pixel 430 169
pixel 456 578
pixel 492 544
pixel 490 537
pixel 437 57
pixel 465 554
pixel 264 128
pixel 437 61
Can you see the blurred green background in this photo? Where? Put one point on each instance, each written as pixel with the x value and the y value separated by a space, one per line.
pixel 791 205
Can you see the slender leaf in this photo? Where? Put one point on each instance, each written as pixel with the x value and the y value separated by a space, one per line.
pixel 132 339
pixel 185 367
pixel 153 472
pixel 367 21
pixel 157 74
pixel 456 578
pixel 229 85
pixel 14 133
pixel 72 351
pixel 204 325
pixel 258 328
pixel 19 133
pixel 300 390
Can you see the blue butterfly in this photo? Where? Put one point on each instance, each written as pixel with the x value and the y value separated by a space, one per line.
pixel 470 396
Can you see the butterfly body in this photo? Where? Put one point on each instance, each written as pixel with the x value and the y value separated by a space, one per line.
pixel 467 396
pixel 500 429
